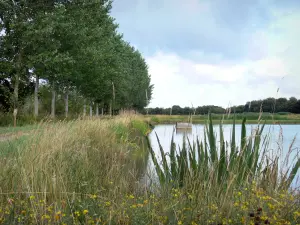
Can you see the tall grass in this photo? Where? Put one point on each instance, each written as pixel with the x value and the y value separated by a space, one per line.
pixel 83 156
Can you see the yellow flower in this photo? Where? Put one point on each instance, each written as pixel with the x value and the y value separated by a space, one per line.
pixel 46 217
pixel 179 222
pixel 93 196
pixel 266 198
pixel 271 206
pixel 145 201
pixel 107 203
pixel 77 213
pixel 133 206
pixel 85 212
pixel 194 223
pixel 297 214
pixel 131 196
pixel 31 197
pixel 57 216
pixel 243 220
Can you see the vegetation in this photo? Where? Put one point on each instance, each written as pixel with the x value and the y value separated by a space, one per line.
pixel 93 171
pixel 270 105
pixel 252 118
pixel 57 57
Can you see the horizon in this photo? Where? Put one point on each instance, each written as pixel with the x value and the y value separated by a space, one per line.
pixel 212 52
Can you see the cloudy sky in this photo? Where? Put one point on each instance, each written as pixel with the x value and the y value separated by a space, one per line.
pixel 219 52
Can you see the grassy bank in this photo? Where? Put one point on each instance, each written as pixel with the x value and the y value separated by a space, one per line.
pixel 252 118
pixel 89 172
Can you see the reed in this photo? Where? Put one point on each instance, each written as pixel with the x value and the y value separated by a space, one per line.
pixel 217 163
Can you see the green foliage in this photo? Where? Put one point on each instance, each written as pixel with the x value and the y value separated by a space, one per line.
pixel 73 46
pixel 269 106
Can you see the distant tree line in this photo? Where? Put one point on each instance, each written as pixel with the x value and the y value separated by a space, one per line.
pixel 271 105
pixel 61 57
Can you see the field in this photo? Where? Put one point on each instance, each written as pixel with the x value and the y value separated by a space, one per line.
pixel 91 171
pixel 252 118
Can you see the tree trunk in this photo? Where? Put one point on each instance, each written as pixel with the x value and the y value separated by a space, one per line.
pixel 91 110
pixel 84 108
pixel 67 102
pixel 110 109
pixel 16 98
pixel 97 109
pixel 36 96
pixel 53 101
pixel 102 111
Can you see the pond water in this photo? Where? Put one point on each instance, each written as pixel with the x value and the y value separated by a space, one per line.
pixel 281 137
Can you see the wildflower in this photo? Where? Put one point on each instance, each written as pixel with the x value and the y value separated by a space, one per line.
pixel 297 214
pixel 145 202
pixel 133 206
pixel 91 222
pixel 243 220
pixel 93 196
pixel 266 198
pixel 131 197
pixel 271 206
pixel 239 193
pixel 10 201
pixel 107 203
pixel 85 212
pixel 31 197
pixel 194 223
pixel 77 213
pixel 47 217
pixel 251 214
pixel 179 222
pixel 57 217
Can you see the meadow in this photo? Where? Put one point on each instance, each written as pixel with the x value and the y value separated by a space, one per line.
pixel 92 171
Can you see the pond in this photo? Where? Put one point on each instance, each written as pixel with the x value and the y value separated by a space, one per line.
pixel 281 137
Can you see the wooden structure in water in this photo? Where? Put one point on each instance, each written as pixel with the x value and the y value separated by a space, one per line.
pixel 183 126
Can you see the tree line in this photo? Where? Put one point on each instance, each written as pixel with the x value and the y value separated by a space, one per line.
pixel 271 105
pixel 61 56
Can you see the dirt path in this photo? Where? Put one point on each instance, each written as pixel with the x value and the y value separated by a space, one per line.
pixel 13 135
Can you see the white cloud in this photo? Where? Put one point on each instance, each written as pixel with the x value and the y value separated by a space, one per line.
pixel 273 53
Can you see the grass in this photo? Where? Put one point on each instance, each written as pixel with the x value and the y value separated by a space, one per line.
pixel 252 118
pixel 5 130
pixel 91 172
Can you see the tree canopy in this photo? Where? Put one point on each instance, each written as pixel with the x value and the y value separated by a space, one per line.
pixel 75 48
pixel 271 105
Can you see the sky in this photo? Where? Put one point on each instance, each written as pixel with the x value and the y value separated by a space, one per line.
pixel 215 52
